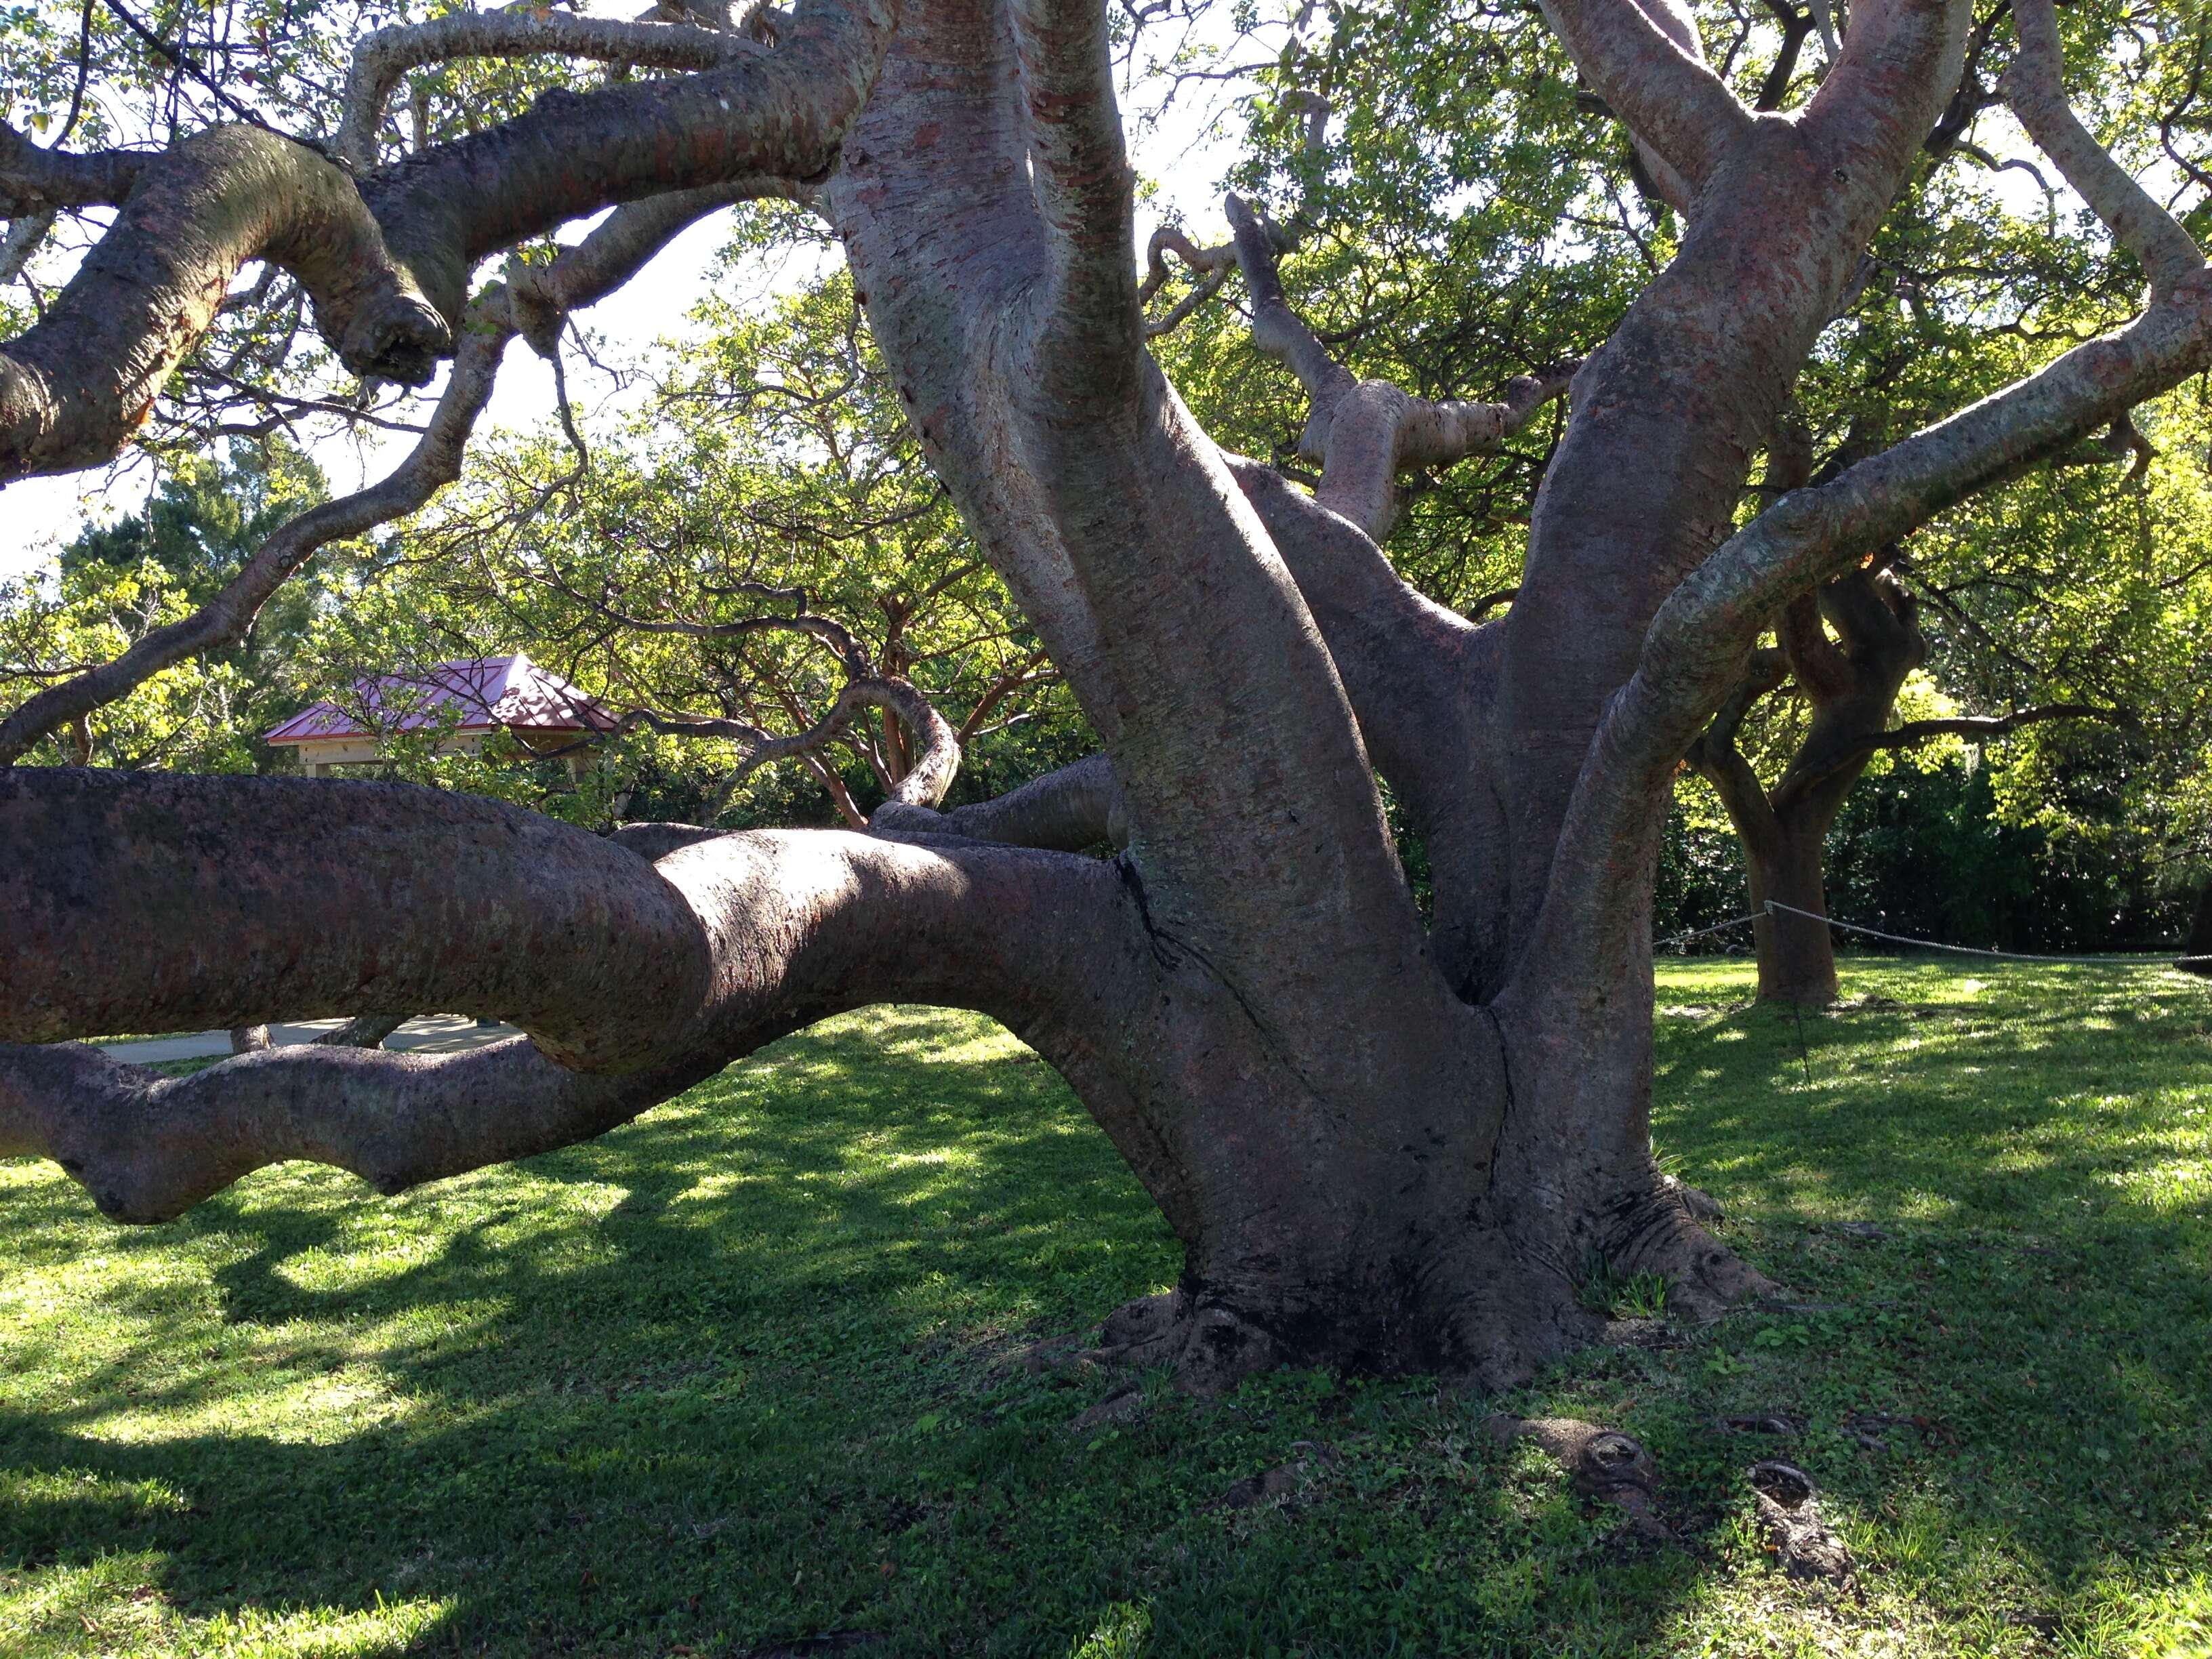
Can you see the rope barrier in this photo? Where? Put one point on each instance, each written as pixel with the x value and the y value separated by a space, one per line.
pixel 1775 906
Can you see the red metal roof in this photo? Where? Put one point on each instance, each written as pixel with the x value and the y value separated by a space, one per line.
pixel 476 693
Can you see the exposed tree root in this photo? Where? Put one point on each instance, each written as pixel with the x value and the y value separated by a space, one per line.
pixel 1789 1515
pixel 1603 1463
pixel 1211 1348
pixel 1281 1480
pixel 1701 1204
pixel 1653 1232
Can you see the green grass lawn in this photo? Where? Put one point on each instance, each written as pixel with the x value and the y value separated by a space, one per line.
pixel 749 1372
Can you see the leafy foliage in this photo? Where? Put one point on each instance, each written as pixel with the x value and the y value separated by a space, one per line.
pixel 116 581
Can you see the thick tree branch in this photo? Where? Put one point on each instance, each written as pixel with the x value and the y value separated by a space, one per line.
pixel 1278 331
pixel 1070 811
pixel 33 178
pixel 25 233
pixel 135 903
pixel 2034 86
pixel 539 298
pixel 1646 476
pixel 1644 58
pixel 1698 640
pixel 1716 758
pixel 1090 323
pixel 578 276
pixel 937 212
pixel 1401 657
pixel 1898 53
pixel 1113 518
pixel 572 153
pixel 434 462
pixel 383 57
pixel 1809 533
pixel 388 263
pixel 1795 26
pixel 75 386
pixel 1812 657
pixel 793 927
pixel 1696 645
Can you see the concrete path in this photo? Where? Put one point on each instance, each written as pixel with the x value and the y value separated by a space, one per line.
pixel 436 1034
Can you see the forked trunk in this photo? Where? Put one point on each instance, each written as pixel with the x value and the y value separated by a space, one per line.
pixel 1851 681
pixel 1385 1146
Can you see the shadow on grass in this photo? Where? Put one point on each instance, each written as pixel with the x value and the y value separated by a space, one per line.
pixel 747 1370
pixel 2037 1163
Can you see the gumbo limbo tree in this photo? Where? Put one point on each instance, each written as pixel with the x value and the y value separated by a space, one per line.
pixel 2075 586
pixel 1387 1143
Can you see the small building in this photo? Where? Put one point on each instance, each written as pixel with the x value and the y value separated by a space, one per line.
pixel 467 701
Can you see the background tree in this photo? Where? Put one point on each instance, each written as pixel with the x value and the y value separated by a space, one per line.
pixel 754 568
pixel 1385 1145
pixel 117 582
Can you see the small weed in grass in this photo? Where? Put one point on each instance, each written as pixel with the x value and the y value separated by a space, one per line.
pixel 748 1372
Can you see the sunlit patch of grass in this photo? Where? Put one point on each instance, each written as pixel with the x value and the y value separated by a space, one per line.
pixel 748 1370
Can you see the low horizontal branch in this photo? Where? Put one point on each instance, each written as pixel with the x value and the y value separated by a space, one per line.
pixel 797 926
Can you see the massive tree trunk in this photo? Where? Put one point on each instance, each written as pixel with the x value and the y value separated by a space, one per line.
pixel 1385 1146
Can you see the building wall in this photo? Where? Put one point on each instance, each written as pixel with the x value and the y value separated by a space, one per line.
pixel 321 757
